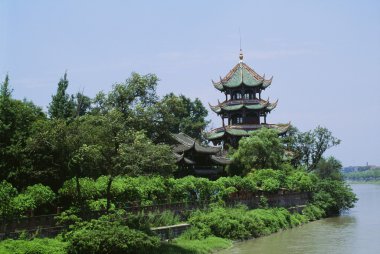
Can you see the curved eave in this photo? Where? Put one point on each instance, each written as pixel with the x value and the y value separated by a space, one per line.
pixel 216 109
pixel 283 128
pixel 188 161
pixel 183 139
pixel 242 130
pixel 218 85
pixel 178 157
pixel 272 106
pixel 267 82
pixel 220 160
pixel 207 150
pixel 181 148
pixel 228 108
pixel 215 135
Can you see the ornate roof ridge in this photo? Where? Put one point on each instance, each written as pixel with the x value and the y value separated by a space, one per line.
pixel 253 72
pixel 258 77
pixel 229 74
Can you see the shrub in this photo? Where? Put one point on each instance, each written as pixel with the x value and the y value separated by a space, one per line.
pixel 313 212
pixel 102 236
pixel 240 223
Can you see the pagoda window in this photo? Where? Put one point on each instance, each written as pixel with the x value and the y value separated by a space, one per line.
pixel 238 96
pixel 247 96
pixel 239 120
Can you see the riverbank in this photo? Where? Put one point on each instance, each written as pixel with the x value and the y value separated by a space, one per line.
pixel 353 232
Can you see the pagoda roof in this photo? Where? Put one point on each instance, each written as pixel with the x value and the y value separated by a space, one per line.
pixel 244 130
pixel 237 105
pixel 186 143
pixel 242 74
pixel 181 157
pixel 220 160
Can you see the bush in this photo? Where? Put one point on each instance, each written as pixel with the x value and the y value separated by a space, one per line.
pixel 300 181
pixel 240 223
pixel 333 196
pixel 103 236
pixel 313 212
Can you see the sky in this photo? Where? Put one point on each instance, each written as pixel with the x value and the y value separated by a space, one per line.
pixel 324 55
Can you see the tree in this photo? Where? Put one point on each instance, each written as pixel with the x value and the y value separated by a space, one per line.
pixel 262 149
pixel 16 119
pixel 84 160
pixel 7 193
pixel 136 91
pixel 62 105
pixel 329 169
pixel 82 104
pixel 140 156
pixel 309 147
pixel 181 114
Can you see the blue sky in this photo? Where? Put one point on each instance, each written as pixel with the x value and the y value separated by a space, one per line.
pixel 324 55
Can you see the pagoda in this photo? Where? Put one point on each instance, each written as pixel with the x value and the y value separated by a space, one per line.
pixel 243 110
pixel 196 159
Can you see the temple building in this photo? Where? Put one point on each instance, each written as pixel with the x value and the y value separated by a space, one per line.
pixel 196 159
pixel 243 110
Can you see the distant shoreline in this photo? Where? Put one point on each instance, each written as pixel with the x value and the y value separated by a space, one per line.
pixel 363 181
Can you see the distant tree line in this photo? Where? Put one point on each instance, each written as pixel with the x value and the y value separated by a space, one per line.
pixel 372 174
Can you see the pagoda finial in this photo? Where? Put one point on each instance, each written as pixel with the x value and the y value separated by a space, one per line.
pixel 241 56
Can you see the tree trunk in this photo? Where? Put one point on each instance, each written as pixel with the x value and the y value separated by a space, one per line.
pixel 109 183
pixel 79 195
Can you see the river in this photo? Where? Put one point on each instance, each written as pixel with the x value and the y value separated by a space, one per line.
pixel 356 231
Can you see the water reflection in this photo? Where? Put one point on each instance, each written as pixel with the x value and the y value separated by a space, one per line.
pixel 357 231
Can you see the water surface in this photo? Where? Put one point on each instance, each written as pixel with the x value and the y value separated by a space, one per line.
pixel 357 231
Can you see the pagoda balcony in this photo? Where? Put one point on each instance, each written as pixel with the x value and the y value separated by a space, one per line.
pixel 243 127
pixel 241 101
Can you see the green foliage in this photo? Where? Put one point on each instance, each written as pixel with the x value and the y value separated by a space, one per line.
pixel 14 204
pixel 181 114
pixel 240 223
pixel 313 212
pixel 199 246
pixel 7 194
pixel 333 196
pixel 142 156
pixel 35 246
pixel 40 195
pixel 263 149
pixel 267 179
pixel 62 105
pixel 309 147
pixel 329 168
pixel 104 236
pixel 129 191
pixel 16 120
pixel 88 189
pixel 299 180
pixel 156 219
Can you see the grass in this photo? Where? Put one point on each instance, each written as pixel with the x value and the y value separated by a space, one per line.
pixel 35 246
pixel 204 246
